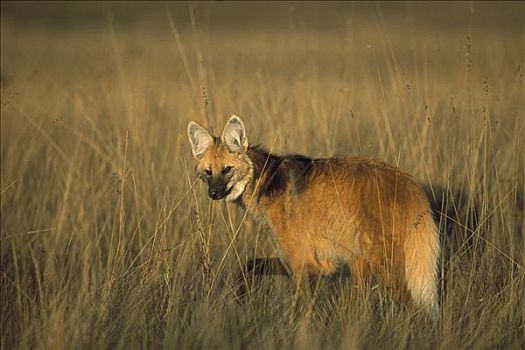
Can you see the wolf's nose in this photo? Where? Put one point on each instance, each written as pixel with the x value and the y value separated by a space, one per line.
pixel 214 194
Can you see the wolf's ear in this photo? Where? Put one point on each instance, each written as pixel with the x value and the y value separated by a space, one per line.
pixel 200 139
pixel 234 135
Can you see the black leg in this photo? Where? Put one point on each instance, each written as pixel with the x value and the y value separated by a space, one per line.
pixel 259 266
pixel 266 266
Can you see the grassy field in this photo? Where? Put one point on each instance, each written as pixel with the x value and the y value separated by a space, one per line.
pixel 108 242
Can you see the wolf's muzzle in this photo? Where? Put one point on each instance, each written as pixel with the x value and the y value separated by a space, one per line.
pixel 218 190
pixel 216 195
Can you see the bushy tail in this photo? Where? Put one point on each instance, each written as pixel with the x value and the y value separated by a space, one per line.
pixel 422 251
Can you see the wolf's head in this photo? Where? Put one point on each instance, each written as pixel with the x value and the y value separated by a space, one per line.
pixel 223 162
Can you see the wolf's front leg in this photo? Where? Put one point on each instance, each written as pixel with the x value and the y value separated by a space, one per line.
pixel 259 266
pixel 301 275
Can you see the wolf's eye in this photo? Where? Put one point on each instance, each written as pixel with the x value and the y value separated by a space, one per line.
pixel 207 173
pixel 226 170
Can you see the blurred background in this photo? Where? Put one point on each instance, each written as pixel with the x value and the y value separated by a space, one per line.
pixel 106 239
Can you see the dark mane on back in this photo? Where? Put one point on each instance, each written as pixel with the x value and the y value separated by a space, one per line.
pixel 262 159
pixel 280 171
pixel 300 169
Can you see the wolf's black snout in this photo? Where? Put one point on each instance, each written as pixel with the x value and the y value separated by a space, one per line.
pixel 213 193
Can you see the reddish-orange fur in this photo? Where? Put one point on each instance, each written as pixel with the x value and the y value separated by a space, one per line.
pixel 327 212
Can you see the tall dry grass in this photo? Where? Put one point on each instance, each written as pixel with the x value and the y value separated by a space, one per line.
pixel 107 241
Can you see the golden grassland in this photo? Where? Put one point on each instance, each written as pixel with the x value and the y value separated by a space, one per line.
pixel 107 241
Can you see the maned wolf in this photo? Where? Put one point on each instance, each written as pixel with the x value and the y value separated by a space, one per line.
pixel 328 212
